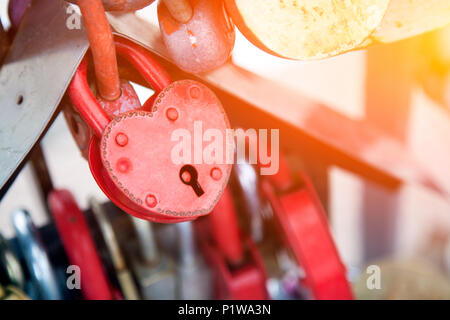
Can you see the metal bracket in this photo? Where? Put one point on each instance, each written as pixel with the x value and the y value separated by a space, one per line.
pixel 34 78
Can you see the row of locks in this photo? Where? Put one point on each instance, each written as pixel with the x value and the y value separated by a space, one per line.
pixel 189 232
pixel 267 238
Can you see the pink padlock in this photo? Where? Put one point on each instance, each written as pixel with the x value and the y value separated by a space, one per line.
pixel 204 42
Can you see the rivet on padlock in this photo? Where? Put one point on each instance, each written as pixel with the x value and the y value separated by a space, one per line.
pixel 81 133
pixel 141 176
pixel 204 42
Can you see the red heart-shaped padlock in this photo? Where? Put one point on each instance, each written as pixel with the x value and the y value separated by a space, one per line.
pixel 135 156
pixel 138 150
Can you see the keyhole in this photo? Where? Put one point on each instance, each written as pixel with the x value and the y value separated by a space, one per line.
pixel 189 176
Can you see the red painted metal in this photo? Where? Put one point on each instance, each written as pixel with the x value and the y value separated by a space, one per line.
pixel 102 47
pixel 89 107
pixel 145 169
pixel 80 131
pixel 204 42
pixel 225 228
pixel 105 183
pixel 143 61
pixel 157 77
pixel 127 101
pixel 237 266
pixel 85 102
pixel 246 282
pixel 138 173
pixel 79 245
pixel 304 225
pixel 283 179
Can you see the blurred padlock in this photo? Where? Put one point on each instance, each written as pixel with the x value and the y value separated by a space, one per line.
pixel 10 269
pixel 204 42
pixel 238 269
pixel 36 257
pixel 302 224
pixel 303 29
pixel 306 29
pixel 12 293
pixel 79 245
pixel 139 174
pixel 124 277
pixel 154 270
pixel 283 273
pixel 194 277
pixel 246 183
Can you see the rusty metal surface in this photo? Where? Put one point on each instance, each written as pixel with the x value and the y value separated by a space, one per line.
pixel 102 47
pixel 33 79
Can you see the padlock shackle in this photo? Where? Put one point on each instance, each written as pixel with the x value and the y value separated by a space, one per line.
pixel 84 100
pixel 305 229
pixel 150 69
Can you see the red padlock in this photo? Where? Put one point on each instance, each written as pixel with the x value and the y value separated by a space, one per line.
pixel 238 269
pixel 79 245
pixel 81 132
pixel 131 156
pixel 304 226
pixel 204 42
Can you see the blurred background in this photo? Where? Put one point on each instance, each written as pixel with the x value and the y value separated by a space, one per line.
pixel 402 89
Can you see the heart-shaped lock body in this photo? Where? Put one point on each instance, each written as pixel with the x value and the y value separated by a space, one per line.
pixel 130 154
pixel 140 152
